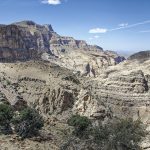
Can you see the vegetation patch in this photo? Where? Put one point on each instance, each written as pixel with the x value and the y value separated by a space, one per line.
pixel 120 134
pixel 6 114
pixel 26 123
pixel 80 124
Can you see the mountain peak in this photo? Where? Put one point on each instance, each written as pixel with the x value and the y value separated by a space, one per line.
pixel 25 22
pixel 49 27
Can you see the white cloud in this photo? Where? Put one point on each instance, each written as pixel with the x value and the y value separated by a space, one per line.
pixel 96 36
pixel 98 30
pixel 123 24
pixel 90 38
pixel 51 2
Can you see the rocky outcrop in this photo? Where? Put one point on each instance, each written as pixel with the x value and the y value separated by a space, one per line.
pixel 87 105
pixel 79 56
pixel 7 55
pixel 48 88
pixel 126 95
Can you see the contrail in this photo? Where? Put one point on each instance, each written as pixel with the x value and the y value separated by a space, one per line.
pixel 105 30
pixel 146 31
pixel 131 26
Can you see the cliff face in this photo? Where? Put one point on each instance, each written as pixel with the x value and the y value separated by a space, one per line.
pixel 22 41
pixel 27 40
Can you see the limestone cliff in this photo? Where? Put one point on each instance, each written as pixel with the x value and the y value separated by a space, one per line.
pixel 23 41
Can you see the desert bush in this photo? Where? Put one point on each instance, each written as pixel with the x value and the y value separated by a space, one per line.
pixel 6 114
pixel 8 82
pixel 28 123
pixel 124 134
pixel 80 124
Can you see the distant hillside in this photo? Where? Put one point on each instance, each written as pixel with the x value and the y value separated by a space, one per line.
pixel 142 55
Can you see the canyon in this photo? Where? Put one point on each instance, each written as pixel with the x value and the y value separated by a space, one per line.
pixel 60 76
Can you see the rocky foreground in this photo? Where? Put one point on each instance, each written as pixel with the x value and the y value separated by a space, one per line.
pixel 121 91
pixel 60 76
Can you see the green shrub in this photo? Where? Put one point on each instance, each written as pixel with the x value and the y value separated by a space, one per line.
pixel 80 123
pixel 28 123
pixel 122 134
pixel 8 82
pixel 6 115
pixel 101 135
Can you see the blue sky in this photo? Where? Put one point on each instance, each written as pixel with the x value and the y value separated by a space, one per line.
pixel 120 25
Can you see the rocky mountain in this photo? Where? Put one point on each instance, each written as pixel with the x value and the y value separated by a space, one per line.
pixel 50 78
pixel 27 40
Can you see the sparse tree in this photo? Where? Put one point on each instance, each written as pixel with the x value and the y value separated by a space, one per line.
pixel 28 123
pixel 6 114
pixel 123 134
pixel 81 124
